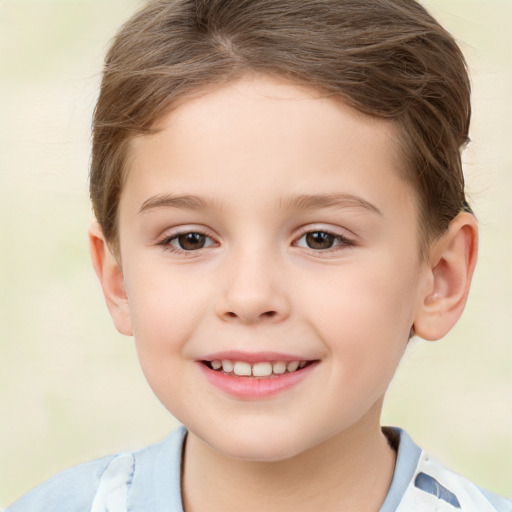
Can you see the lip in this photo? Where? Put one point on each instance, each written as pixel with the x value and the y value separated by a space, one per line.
pixel 254 357
pixel 254 388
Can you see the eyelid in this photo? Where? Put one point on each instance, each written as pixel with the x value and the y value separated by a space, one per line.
pixel 346 241
pixel 165 240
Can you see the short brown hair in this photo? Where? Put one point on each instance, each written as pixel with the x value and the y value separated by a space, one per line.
pixel 387 58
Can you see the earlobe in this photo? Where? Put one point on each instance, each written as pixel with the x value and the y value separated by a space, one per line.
pixel 110 274
pixel 452 263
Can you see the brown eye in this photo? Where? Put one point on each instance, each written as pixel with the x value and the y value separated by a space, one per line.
pixel 187 242
pixel 320 240
pixel 191 241
pixel 323 241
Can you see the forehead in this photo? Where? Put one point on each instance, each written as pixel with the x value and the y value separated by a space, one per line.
pixel 257 142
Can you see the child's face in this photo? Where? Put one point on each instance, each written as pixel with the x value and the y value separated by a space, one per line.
pixel 270 175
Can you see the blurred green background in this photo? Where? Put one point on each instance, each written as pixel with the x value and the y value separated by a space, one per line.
pixel 70 386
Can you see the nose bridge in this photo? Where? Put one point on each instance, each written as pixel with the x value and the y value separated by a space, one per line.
pixel 253 290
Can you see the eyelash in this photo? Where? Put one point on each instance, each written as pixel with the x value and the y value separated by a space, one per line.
pixel 166 243
pixel 343 241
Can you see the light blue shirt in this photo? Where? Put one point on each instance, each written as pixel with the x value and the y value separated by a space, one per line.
pixel 149 480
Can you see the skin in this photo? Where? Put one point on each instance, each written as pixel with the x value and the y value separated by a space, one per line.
pixel 257 285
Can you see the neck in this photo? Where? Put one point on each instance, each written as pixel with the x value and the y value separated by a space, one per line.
pixel 351 471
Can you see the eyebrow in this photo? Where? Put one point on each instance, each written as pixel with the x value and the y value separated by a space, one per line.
pixel 312 201
pixel 186 202
pixel 295 202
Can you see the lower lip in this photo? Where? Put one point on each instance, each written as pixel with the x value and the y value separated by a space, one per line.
pixel 253 388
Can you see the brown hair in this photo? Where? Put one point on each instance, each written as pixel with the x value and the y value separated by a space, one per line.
pixel 386 58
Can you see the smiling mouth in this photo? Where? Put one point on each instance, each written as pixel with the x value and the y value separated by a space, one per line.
pixel 262 370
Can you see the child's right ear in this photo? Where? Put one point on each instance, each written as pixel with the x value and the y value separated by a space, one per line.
pixel 109 272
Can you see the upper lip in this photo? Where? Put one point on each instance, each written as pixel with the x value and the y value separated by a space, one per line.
pixel 254 357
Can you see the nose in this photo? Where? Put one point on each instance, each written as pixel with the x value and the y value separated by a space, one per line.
pixel 253 291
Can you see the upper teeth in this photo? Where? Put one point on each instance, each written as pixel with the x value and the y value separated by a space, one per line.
pixel 263 369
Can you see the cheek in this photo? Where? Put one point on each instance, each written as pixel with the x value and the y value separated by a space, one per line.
pixel 165 314
pixel 165 308
pixel 364 300
pixel 363 317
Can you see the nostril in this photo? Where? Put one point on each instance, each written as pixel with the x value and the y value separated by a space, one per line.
pixel 270 315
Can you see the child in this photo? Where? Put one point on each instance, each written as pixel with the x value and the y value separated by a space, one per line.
pixel 280 207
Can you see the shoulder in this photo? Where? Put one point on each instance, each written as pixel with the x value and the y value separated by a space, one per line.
pixel 72 490
pixel 427 485
pixel 112 480
pixel 434 483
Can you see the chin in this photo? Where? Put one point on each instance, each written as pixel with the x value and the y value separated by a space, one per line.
pixel 257 445
pixel 259 451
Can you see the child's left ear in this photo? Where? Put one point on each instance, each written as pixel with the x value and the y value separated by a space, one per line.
pixel 109 272
pixel 452 262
